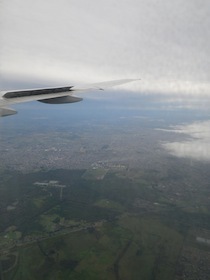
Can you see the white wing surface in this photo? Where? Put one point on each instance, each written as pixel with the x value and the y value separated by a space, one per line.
pixel 55 95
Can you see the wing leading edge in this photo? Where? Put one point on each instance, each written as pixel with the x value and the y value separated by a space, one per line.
pixel 55 95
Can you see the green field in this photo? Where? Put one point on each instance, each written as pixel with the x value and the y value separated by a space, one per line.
pixel 115 228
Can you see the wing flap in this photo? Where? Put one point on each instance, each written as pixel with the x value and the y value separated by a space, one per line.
pixel 36 92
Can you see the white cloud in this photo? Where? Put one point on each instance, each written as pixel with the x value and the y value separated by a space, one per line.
pixel 197 147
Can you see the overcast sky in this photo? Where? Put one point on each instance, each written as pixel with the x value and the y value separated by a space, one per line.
pixel 165 43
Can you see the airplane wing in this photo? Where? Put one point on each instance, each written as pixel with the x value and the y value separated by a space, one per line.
pixel 55 95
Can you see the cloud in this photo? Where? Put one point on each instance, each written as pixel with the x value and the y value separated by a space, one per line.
pixel 166 43
pixel 197 147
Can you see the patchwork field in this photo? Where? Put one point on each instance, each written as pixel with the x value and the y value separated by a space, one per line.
pixel 113 228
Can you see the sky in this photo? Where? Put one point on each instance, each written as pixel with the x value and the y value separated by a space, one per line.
pixel 165 43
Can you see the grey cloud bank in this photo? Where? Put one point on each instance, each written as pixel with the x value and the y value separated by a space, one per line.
pixel 165 43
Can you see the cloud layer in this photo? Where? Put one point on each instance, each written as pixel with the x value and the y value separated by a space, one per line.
pixel 197 147
pixel 166 43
